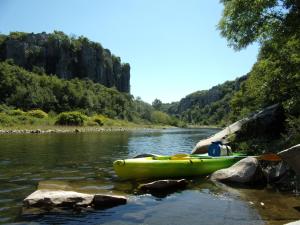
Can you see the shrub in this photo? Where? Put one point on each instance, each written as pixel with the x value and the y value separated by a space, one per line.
pixel 99 120
pixel 160 117
pixel 16 112
pixel 24 119
pixel 37 113
pixel 92 123
pixel 71 118
pixel 6 120
pixel 4 108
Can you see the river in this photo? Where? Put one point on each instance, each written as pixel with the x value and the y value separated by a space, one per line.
pixel 83 162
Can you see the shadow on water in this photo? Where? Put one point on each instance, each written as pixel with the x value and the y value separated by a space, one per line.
pixel 83 162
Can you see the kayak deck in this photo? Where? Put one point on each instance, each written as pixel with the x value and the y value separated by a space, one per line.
pixel 172 166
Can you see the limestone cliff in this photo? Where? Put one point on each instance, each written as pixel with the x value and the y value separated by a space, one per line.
pixel 67 57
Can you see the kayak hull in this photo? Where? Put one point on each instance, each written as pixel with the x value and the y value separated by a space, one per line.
pixel 165 167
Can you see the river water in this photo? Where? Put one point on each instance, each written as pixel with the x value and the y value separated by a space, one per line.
pixel 83 162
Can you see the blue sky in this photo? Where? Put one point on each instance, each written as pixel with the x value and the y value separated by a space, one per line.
pixel 173 46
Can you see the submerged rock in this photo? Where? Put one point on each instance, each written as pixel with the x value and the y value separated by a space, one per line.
pixel 47 199
pixel 164 185
pixel 107 201
pixel 244 171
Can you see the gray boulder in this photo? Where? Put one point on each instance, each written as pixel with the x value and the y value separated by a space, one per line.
pixel 164 185
pixel 244 171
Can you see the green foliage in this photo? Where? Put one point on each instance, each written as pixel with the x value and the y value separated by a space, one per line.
pixel 18 35
pixel 157 104
pixel 37 113
pixel 99 120
pixel 247 21
pixel 25 90
pixel 71 118
pixel 16 112
pixel 28 91
pixel 210 107
pixel 292 137
pixel 159 117
pixel 6 120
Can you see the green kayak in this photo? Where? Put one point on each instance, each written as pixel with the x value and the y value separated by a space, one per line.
pixel 181 165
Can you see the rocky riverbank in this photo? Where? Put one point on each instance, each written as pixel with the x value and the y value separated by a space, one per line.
pixel 77 130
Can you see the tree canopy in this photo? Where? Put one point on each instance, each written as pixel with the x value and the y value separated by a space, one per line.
pixel 246 21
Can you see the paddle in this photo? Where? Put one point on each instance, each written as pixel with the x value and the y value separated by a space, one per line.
pixel 269 157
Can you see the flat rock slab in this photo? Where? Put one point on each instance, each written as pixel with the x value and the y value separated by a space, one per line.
pixel 241 172
pixel 71 199
pixel 164 185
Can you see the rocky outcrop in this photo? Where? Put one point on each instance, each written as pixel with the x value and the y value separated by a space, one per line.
pixel 292 157
pixel 67 57
pixel 47 199
pixel 267 123
pixel 244 171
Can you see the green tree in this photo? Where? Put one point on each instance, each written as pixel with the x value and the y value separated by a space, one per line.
pixel 247 21
pixel 156 104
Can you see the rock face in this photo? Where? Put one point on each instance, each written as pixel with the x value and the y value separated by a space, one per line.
pixel 51 199
pixel 164 185
pixel 244 171
pixel 292 157
pixel 67 57
pixel 268 123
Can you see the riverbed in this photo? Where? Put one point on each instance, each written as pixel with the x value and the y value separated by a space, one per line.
pixel 83 162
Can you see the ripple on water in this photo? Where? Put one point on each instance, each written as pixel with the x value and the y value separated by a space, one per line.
pixel 4 162
pixel 3 191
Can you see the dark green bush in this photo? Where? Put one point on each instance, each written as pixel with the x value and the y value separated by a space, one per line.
pixel 15 112
pixel 98 120
pixel 37 113
pixel 71 118
pixel 6 120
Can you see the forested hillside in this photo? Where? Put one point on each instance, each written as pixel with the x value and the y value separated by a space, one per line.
pixel 65 56
pixel 273 79
pixel 210 107
pixel 21 89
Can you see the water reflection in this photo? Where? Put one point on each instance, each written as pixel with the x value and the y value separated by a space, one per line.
pixel 83 162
